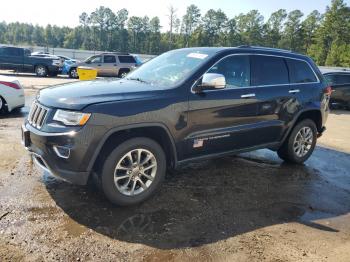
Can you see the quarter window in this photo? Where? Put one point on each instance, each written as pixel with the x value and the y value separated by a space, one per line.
pixel 127 59
pixel 269 70
pixel 235 69
pixel 300 72
pixel 342 79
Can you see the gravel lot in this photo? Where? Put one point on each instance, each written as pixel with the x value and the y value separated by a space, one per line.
pixel 249 207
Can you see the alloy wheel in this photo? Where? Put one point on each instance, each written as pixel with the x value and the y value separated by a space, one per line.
pixel 135 172
pixel 303 141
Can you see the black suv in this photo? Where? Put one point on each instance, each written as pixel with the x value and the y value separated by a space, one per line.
pixel 340 82
pixel 21 60
pixel 184 105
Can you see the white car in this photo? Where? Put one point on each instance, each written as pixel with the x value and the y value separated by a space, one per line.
pixel 11 94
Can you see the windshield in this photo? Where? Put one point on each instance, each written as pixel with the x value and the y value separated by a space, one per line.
pixel 171 68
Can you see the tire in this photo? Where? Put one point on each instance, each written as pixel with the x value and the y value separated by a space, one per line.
pixel 3 108
pixel 118 164
pixel 123 72
pixel 53 74
pixel 41 71
pixel 289 150
pixel 348 106
pixel 73 73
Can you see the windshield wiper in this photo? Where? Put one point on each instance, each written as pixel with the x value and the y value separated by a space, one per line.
pixel 137 79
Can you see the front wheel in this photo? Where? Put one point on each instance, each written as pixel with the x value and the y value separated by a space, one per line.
pixel 41 71
pixel 3 108
pixel 73 73
pixel 300 144
pixel 133 171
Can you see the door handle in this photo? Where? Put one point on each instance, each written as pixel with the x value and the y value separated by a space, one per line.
pixel 99 65
pixel 247 95
pixel 293 91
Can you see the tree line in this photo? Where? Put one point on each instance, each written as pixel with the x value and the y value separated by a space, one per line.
pixel 325 37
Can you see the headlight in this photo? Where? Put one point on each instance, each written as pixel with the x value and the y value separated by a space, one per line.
pixel 71 118
pixel 56 62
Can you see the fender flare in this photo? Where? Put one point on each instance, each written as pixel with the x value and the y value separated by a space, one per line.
pixel 126 127
pixel 292 123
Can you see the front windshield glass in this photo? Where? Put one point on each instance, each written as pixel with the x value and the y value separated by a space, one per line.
pixel 171 68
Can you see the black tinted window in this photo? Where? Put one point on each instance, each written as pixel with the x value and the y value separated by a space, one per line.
pixel 342 79
pixel 236 70
pixel 269 70
pixel 300 72
pixel 127 59
pixel 109 59
pixel 10 51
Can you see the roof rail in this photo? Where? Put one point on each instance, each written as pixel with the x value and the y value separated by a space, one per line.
pixel 266 48
pixel 116 53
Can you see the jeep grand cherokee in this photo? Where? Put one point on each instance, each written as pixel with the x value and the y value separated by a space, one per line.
pixel 184 105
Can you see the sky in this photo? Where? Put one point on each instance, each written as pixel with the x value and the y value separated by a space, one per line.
pixel 66 12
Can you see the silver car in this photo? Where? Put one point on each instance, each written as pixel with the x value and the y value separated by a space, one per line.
pixel 107 64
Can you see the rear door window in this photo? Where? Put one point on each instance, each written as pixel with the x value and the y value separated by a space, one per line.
pixel 269 70
pixel 300 72
pixel 109 59
pixel 14 51
pixel 127 59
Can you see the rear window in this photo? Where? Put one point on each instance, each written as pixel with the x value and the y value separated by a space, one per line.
pixel 10 51
pixel 300 72
pixel 269 70
pixel 109 59
pixel 127 59
pixel 342 79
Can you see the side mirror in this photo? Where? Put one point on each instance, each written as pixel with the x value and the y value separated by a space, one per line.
pixel 211 81
pixel 88 62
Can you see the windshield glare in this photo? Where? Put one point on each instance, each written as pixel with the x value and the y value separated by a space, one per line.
pixel 170 68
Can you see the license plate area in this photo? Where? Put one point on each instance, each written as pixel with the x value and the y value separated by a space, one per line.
pixel 25 137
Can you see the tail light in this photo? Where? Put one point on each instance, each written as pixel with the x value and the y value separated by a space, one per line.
pixel 328 90
pixel 10 84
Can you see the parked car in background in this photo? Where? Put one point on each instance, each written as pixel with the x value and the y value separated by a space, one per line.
pixel 340 82
pixel 184 105
pixel 11 94
pixel 21 60
pixel 66 58
pixel 107 64
pixel 138 60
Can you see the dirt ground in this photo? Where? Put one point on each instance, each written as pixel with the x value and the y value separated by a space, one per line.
pixel 249 207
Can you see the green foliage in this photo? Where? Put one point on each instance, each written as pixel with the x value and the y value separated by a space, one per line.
pixel 324 37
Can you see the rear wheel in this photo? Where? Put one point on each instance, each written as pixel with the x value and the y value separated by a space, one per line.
pixel 3 108
pixel 300 144
pixel 133 171
pixel 53 74
pixel 73 73
pixel 41 71
pixel 123 72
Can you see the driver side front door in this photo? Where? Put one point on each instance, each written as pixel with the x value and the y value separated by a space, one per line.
pixel 223 120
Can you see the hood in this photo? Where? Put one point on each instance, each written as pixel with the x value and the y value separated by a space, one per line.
pixel 77 95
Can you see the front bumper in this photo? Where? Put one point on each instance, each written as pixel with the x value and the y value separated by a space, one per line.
pixel 41 147
pixel 54 69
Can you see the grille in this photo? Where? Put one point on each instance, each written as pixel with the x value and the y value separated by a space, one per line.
pixel 37 115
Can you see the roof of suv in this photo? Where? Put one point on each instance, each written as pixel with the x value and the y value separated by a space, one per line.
pixel 114 53
pixel 255 49
pixel 336 70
